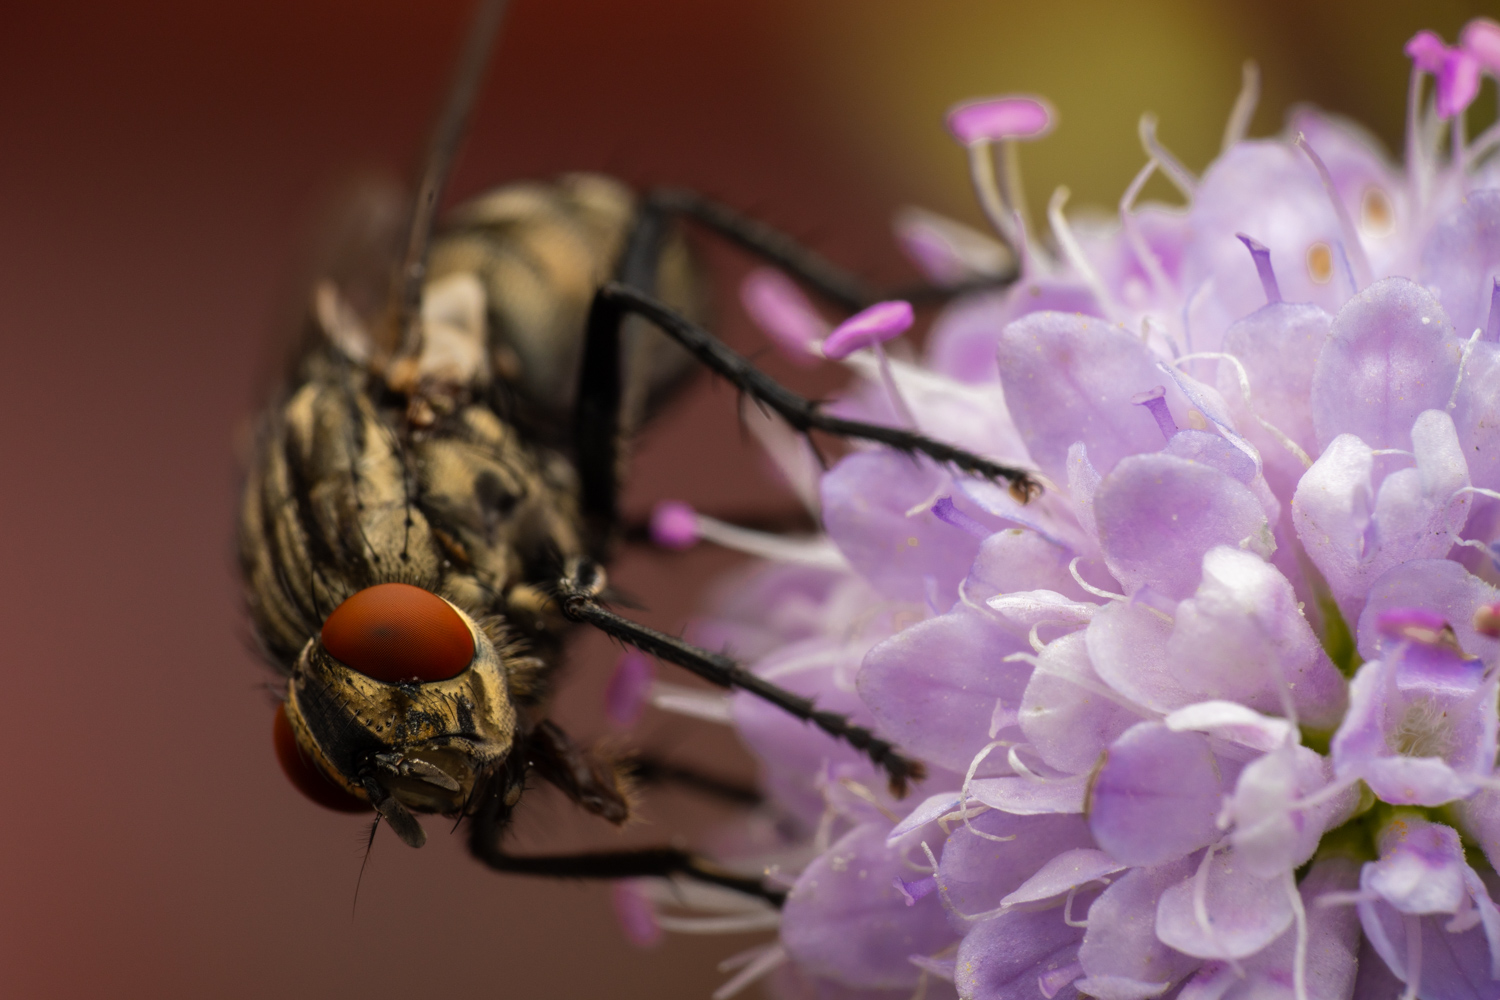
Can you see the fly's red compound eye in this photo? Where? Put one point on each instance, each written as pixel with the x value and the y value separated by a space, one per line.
pixel 304 774
pixel 395 632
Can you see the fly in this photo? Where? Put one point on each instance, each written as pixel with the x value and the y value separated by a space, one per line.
pixel 433 497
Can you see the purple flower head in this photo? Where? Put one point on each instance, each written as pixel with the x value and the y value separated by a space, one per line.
pixel 1206 717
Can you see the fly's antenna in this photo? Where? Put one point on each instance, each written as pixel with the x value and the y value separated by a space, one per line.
pixel 452 124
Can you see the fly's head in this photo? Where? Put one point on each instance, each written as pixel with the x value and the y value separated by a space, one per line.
pixel 401 703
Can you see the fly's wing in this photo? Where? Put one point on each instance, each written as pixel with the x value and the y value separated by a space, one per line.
pixel 540 251
pixel 354 267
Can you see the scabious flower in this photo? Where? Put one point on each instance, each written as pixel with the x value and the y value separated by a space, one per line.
pixel 1215 716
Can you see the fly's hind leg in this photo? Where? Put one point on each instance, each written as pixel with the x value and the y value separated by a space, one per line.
pixel 597 427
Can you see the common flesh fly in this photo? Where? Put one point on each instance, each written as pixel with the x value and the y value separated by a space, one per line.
pixel 433 495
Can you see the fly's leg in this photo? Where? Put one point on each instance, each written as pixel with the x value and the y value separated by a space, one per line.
pixel 490 816
pixel 578 598
pixel 649 770
pixel 614 302
pixel 812 269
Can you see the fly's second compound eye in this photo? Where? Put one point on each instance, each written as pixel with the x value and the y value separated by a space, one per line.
pixel 395 632
pixel 304 774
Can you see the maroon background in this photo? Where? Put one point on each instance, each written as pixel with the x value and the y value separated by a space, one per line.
pixel 159 165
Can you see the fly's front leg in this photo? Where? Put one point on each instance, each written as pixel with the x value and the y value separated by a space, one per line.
pixel 578 598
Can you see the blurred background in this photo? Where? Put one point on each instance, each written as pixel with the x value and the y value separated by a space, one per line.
pixel 161 167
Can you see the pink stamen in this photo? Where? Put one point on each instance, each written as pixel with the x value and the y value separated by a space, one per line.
pixel 875 325
pixel 1457 83
pixel 1261 254
pixel 996 118
pixel 780 309
pixel 1155 401
pixel 1481 39
pixel 674 525
pixel 637 918
pixel 1427 50
pixel 629 688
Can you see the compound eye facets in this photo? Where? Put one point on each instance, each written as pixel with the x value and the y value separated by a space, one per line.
pixel 395 632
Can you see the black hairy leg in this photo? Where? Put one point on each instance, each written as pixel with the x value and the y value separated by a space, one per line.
pixel 578 598
pixel 489 819
pixel 650 770
pixel 615 301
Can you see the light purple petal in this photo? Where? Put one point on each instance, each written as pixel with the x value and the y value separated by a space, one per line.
pixel 1461 258
pixel 964 338
pixel 1121 952
pixel 1074 867
pixel 1242 636
pixel 951 668
pixel 1438 585
pixel 1333 940
pixel 1026 796
pixel 1477 403
pixel 844 918
pixel 978 872
pixel 1158 514
pixel 1002 958
pixel 1156 797
pixel 1272 834
pixel 1127 645
pixel 1070 378
pixel 1244 911
pixel 1068 714
pixel 866 498
pixel 1390 355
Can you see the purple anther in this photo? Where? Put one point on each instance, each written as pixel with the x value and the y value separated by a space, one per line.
pixel 1261 254
pixel 1416 625
pixel 1481 39
pixel 674 525
pixel 914 890
pixel 629 688
pixel 636 915
pixel 779 308
pixel 1492 325
pixel 995 118
pixel 875 325
pixel 1155 401
pixel 1487 620
pixel 944 511
pixel 1427 51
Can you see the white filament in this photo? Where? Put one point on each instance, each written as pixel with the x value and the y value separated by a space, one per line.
pixel 764 963
pixel 1299 958
pixel 1463 362
pixel 693 703
pixel 1181 177
pixel 1073 568
pixel 809 550
pixel 1244 380
pixel 1063 233
pixel 1244 109
pixel 1133 235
